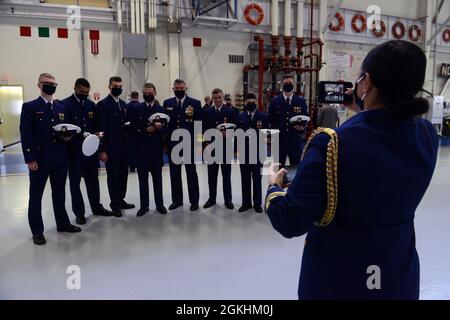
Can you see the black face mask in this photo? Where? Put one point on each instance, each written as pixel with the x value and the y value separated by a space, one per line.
pixel 81 96
pixel 48 89
pixel 179 94
pixel 250 107
pixel 116 92
pixel 359 101
pixel 288 87
pixel 149 98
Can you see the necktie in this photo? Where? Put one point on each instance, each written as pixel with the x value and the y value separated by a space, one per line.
pixel 50 106
pixel 179 104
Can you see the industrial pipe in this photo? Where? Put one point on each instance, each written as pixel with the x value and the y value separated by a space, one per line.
pixel 119 12
pixel 261 69
pixel 133 20
pixel 300 6
pixel 274 15
pixel 142 16
pixel 138 15
pixel 287 18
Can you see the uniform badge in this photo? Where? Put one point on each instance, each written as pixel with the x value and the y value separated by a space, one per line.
pixel 189 113
pixel 91 114
pixel 61 116
pixel 224 119
pixel 297 110
pixel 259 124
pixel 169 108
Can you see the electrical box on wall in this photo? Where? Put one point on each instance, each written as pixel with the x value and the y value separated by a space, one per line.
pixel 174 27
pixel 135 46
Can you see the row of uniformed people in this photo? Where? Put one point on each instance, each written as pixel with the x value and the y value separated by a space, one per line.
pixel 47 155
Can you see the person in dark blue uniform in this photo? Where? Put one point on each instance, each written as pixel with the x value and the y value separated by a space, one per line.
pixel 113 148
pixel 149 150
pixel 81 112
pixel 218 114
pixel 131 144
pixel 357 188
pixel 183 112
pixel 46 156
pixel 281 109
pixel 252 119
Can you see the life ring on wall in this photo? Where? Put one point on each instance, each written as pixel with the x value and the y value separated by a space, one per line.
pixel 446 36
pixel 340 25
pixel 355 19
pixel 396 26
pixel 414 28
pixel 379 33
pixel 253 7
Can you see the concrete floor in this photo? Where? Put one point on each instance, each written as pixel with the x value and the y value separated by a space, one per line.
pixel 210 254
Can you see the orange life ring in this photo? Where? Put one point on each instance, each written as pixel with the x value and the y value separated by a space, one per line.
pixel 341 23
pixel 355 19
pixel 412 29
pixel 398 35
pixel 379 33
pixel 446 36
pixel 253 7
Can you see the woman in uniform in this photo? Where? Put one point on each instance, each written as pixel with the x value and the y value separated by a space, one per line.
pixel 357 188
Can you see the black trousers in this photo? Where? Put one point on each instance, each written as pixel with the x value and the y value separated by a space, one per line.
pixel 38 180
pixel 290 146
pixel 154 166
pixel 213 172
pixel 176 183
pixel 132 153
pixel 117 171
pixel 88 169
pixel 249 173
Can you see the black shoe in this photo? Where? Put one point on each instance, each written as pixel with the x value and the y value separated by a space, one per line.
pixel 162 210
pixel 142 212
pixel 258 209
pixel 209 204
pixel 194 207
pixel 103 212
pixel 174 206
pixel 39 239
pixel 244 208
pixel 133 170
pixel 229 205
pixel 70 229
pixel 126 206
pixel 81 220
pixel 117 213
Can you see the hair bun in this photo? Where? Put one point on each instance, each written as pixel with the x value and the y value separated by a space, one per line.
pixel 409 108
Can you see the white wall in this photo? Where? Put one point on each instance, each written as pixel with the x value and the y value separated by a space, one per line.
pixel 207 67
pixel 23 59
pixel 402 8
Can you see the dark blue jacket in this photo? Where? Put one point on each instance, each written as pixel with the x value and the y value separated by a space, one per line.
pixel 280 113
pixel 131 105
pixel 112 119
pixel 39 142
pixel 211 119
pixel 384 168
pixel 146 144
pixel 260 121
pixel 191 110
pixel 82 115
